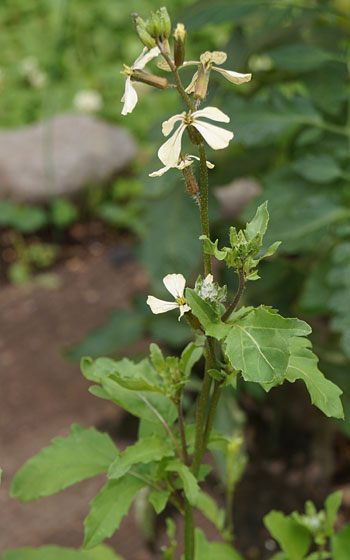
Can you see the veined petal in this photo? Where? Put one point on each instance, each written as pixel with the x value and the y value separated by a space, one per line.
pixel 218 57
pixel 184 163
pixel 169 152
pixel 217 138
pixel 183 309
pixel 234 77
pixel 167 126
pixel 160 306
pixel 160 172
pixel 145 57
pixel 129 98
pixel 212 113
pixel 190 63
pixel 175 284
pixel 192 84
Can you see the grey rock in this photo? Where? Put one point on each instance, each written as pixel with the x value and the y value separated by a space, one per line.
pixel 60 156
pixel 236 195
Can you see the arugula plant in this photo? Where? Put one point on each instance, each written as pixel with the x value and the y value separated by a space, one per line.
pixel 229 341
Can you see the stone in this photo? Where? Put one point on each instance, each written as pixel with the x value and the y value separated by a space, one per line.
pixel 60 156
pixel 236 195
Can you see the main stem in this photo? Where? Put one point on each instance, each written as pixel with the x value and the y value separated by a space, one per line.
pixel 204 203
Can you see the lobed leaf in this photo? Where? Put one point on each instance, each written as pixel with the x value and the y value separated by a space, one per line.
pixel 303 365
pixel 258 344
pixel 189 481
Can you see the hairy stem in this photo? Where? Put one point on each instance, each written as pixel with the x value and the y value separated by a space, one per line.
pixel 202 407
pixel 178 82
pixel 182 431
pixel 240 289
pixel 204 203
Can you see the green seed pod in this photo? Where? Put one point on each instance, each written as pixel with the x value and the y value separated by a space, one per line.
pixel 179 44
pixel 153 25
pixel 165 22
pixel 142 32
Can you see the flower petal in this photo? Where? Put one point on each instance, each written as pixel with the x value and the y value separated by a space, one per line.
pixel 129 98
pixel 145 57
pixel 160 172
pixel 217 137
pixel 212 113
pixel 167 126
pixel 169 152
pixel 209 164
pixel 234 77
pixel 175 284
pixel 183 309
pixel 209 279
pixel 218 57
pixel 160 306
pixel 192 84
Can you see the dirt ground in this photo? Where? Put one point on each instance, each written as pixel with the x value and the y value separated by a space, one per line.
pixel 43 394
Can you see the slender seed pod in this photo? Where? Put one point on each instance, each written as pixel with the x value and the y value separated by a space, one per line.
pixel 150 79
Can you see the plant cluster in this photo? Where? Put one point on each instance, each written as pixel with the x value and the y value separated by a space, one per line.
pixel 255 344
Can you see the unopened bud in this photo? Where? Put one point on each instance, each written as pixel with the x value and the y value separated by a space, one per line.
pixel 153 25
pixel 201 87
pixel 150 79
pixel 179 44
pixel 191 183
pixel 142 32
pixel 165 23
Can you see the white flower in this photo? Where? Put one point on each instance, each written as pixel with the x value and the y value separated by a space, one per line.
pixel 217 57
pixel 130 96
pixel 182 163
pixel 175 284
pixel 217 138
pixel 87 101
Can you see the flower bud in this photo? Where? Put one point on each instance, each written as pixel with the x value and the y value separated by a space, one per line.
pixel 142 32
pixel 201 87
pixel 191 183
pixel 179 44
pixel 153 25
pixel 150 79
pixel 165 23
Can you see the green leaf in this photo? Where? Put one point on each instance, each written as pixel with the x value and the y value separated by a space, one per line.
pixel 318 169
pixel 258 224
pixel 121 329
pixel 83 454
pixel 208 317
pixel 340 544
pixel 298 57
pixel 213 550
pixel 303 365
pixel 209 508
pixel 137 377
pixel 190 356
pixel 109 507
pixel 63 212
pixel 144 451
pixel 52 552
pixel 189 481
pixel 260 122
pixel 102 370
pixel 211 248
pixel 179 231
pixel 332 505
pixel 294 539
pixel 258 344
pixel 159 499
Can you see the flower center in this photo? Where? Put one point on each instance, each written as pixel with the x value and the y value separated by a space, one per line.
pixel 181 300
pixel 188 119
pixel 127 70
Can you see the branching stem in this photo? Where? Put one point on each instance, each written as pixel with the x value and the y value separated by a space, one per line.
pixel 240 289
